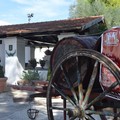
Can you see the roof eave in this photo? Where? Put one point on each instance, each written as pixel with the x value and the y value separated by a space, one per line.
pixel 91 23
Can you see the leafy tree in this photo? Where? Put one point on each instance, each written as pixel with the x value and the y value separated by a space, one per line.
pixel 110 9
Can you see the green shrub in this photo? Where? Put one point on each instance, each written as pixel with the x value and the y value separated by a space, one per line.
pixel 30 75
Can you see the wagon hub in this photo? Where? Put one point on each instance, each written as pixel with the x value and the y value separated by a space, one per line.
pixel 76 112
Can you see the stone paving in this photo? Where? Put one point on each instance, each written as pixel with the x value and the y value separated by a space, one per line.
pixel 10 110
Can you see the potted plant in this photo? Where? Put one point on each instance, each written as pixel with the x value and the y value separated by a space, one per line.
pixel 25 86
pixel 28 77
pixel 42 63
pixel 33 63
pixel 3 80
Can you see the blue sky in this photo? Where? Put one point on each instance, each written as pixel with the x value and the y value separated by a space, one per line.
pixel 16 11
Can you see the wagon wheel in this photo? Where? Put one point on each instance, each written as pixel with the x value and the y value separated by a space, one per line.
pixel 75 78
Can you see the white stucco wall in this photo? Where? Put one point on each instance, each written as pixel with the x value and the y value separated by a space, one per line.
pixel 29 53
pixel 10 41
pixel 13 66
pixel 39 53
pixel 32 52
pixel 2 53
pixel 21 51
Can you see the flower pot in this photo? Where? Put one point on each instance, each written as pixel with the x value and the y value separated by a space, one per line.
pixel 3 84
pixel 42 63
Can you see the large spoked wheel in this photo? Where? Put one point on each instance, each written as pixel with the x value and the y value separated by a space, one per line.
pixel 76 79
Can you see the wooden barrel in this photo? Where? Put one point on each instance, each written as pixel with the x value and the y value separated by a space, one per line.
pixel 69 44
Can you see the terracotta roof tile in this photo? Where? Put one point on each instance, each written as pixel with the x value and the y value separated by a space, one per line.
pixel 49 26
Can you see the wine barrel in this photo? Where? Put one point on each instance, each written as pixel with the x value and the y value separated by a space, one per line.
pixel 69 44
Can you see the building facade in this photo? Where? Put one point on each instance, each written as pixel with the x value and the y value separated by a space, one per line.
pixel 18 43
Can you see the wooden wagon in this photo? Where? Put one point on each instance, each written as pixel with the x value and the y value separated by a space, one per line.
pixel 86 74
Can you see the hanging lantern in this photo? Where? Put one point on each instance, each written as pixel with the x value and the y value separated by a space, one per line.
pixel 32 113
pixel 48 52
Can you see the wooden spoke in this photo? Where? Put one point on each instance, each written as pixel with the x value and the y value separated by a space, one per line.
pixel 89 117
pixel 79 79
pixel 105 113
pixel 90 86
pixel 63 95
pixel 102 95
pixel 70 86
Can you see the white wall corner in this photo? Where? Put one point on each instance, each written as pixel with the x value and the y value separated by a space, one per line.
pixel 13 65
